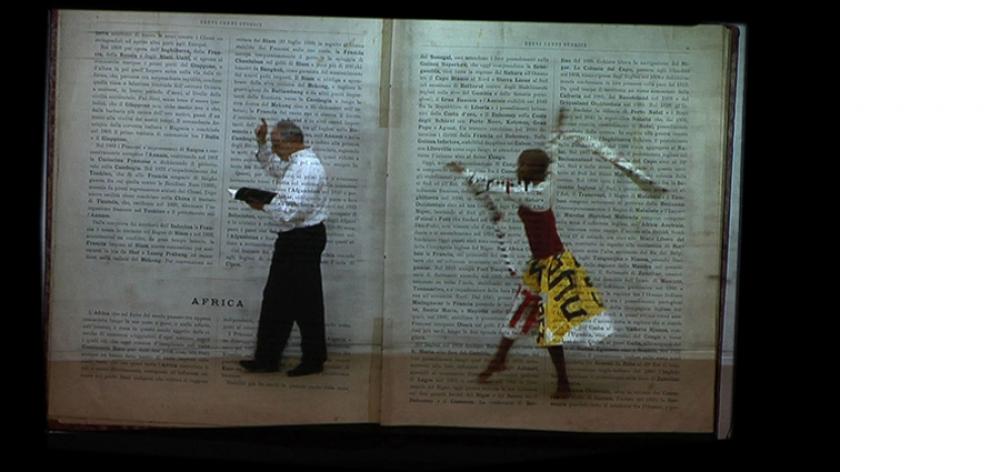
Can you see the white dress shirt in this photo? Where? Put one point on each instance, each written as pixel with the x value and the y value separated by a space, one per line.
pixel 302 194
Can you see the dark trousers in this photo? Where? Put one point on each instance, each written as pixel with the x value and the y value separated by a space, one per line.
pixel 294 294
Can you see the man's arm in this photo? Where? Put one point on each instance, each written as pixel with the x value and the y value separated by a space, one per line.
pixel 270 162
pixel 261 132
pixel 299 194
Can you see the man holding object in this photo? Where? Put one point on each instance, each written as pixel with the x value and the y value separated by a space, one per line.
pixel 294 290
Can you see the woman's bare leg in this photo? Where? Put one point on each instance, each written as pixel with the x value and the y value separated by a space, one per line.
pixel 499 361
pixel 559 361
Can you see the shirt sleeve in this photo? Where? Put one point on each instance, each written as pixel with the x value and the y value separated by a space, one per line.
pixel 271 162
pixel 299 193
pixel 591 143
pixel 537 197
pixel 609 155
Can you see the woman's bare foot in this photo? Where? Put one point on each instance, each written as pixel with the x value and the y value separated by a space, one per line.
pixel 495 366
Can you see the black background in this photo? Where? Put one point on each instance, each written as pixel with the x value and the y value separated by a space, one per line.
pixel 784 379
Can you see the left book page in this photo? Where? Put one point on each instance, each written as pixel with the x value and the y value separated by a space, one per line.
pixel 155 272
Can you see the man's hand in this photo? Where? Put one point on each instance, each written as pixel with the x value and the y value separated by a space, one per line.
pixel 262 132
pixel 455 167
pixel 256 204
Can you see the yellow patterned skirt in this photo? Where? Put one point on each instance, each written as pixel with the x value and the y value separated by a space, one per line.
pixel 567 298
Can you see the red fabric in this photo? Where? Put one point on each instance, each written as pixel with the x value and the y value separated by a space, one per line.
pixel 540 227
pixel 528 298
pixel 532 320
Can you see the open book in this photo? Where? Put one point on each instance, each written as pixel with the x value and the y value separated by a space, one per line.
pixel 249 194
pixel 155 272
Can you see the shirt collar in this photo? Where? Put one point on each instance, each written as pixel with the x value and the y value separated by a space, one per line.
pixel 301 152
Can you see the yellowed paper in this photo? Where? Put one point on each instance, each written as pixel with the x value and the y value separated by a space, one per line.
pixel 156 271
pixel 479 94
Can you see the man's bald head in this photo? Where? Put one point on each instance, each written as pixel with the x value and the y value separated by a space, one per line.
pixel 288 131
pixel 286 139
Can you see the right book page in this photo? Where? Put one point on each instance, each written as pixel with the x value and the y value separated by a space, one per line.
pixel 479 93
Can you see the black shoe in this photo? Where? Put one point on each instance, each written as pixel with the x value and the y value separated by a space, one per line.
pixel 305 369
pixel 257 367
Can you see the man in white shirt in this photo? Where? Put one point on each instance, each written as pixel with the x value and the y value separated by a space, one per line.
pixel 294 290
